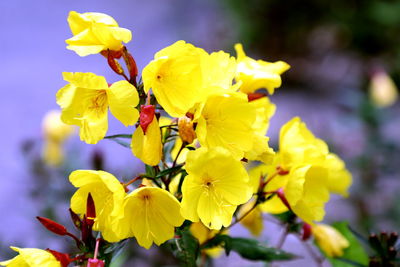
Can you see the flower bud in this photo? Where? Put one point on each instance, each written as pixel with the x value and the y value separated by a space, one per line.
pixel 146 116
pixel 131 64
pixel 52 226
pixel 255 96
pixel 186 131
pixel 63 258
pixel 306 232
pixel 75 219
pixel 282 197
pixel 330 240
pixel 95 263
pixel 90 210
pixel 114 64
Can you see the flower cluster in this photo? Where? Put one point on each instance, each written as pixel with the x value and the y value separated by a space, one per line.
pixel 201 119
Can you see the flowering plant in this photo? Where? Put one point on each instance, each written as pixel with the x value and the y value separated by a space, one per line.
pixel 201 123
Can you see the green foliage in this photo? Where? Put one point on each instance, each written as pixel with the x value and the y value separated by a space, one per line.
pixel 250 249
pixel 185 248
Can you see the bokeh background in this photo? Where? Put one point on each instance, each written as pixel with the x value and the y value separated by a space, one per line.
pixel 336 48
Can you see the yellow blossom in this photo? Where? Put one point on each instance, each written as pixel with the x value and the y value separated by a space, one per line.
pixel 182 75
pixel 150 215
pixel 55 133
pixel 311 173
pixel 31 257
pixel 203 234
pixel 226 120
pixel 146 142
pixel 175 77
pixel 108 196
pixel 216 184
pixel 86 99
pixel 95 32
pixel 257 74
pixel 330 240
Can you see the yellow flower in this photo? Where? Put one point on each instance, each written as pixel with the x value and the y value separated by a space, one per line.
pixel 226 120
pixel 108 196
pixel 202 234
pixel 339 178
pixel 330 240
pixel 175 77
pixel 95 32
pixel 146 140
pixel 31 257
pixel 297 145
pixel 253 221
pixel 219 70
pixel 312 173
pixel 182 75
pixel 55 133
pixel 257 74
pixel 85 101
pixel 150 215
pixel 216 184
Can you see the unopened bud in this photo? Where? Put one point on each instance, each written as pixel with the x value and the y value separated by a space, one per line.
pixel 146 116
pixel 63 258
pixel 95 263
pixel 114 64
pixel 255 96
pixel 131 64
pixel 90 210
pixel 75 219
pixel 186 131
pixel 281 171
pixel 52 226
pixel 306 232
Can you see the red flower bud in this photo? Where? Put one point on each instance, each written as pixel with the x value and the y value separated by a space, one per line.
pixel 95 263
pixel 90 210
pixel 146 116
pixel 114 64
pixel 75 219
pixel 281 171
pixel 255 96
pixel 52 226
pixel 63 258
pixel 306 232
pixel 131 64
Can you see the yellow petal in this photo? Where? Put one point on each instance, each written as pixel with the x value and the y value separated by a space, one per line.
pixel 147 147
pixel 123 99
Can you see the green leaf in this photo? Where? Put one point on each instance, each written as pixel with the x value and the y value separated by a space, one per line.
pixel 254 250
pixel 128 136
pixel 185 248
pixel 250 249
pixel 355 254
pixel 150 171
pixel 122 143
pixel 168 171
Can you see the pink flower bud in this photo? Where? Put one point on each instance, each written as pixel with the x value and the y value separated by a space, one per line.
pixel 95 263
